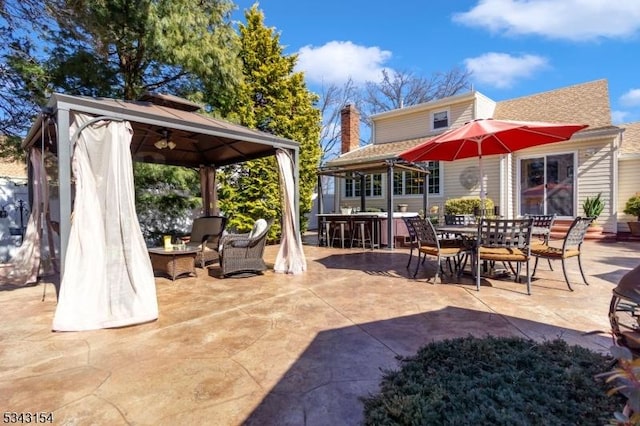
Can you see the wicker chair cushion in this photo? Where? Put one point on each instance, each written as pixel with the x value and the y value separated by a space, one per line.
pixel 553 252
pixel 258 228
pixel 504 254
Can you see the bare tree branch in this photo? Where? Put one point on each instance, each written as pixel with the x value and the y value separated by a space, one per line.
pixel 399 89
pixel 332 100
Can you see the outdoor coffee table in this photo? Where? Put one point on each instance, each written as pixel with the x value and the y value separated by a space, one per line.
pixel 173 262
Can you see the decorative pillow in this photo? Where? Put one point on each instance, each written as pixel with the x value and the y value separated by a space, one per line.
pixel 258 228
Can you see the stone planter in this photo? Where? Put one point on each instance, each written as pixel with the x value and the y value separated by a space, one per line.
pixel 345 210
pixel 402 207
pixel 634 227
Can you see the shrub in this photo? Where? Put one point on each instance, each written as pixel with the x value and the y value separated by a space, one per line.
pixel 495 380
pixel 626 380
pixel 466 205
pixel 632 206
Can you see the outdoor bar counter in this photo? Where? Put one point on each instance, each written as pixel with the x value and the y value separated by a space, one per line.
pixel 378 226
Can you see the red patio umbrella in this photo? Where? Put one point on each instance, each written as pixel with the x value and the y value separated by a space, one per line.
pixel 482 137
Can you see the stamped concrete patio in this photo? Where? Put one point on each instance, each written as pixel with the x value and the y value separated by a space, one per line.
pixel 280 349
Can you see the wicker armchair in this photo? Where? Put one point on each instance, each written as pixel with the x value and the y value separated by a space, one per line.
pixel 205 236
pixel 242 253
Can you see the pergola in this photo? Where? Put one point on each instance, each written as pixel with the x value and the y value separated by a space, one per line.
pixel 166 130
pixel 374 164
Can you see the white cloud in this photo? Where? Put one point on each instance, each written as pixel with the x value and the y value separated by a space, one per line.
pixel 631 98
pixel 337 61
pixel 502 70
pixel 619 117
pixel 577 20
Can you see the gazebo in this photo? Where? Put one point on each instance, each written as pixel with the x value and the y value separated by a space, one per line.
pixel 83 133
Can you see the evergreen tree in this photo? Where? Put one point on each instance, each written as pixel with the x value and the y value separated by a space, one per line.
pixel 274 99
pixel 119 48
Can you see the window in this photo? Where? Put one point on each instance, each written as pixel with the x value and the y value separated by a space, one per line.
pixel 412 183
pixel 372 186
pixel 440 120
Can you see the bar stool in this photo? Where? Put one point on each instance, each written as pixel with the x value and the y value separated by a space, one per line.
pixel 324 233
pixel 342 225
pixel 361 234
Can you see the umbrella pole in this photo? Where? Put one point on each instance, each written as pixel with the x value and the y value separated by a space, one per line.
pixel 477 265
pixel 482 199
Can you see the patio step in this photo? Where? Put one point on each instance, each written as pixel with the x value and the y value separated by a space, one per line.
pixel 561 227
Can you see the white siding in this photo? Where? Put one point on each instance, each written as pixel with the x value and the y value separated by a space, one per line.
pixel 485 107
pixel 452 172
pixel 417 124
pixel 628 184
pixel 595 165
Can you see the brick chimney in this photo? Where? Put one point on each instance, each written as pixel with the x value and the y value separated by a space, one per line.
pixel 350 128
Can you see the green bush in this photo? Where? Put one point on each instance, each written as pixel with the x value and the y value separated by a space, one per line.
pixel 466 205
pixel 632 206
pixel 508 381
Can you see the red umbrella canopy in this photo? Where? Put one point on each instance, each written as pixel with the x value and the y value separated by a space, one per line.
pixel 482 137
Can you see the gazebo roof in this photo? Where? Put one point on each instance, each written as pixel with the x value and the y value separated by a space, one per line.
pixel 199 140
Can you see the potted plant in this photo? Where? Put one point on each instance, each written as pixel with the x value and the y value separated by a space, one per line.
pixel 593 207
pixel 633 208
pixel 345 209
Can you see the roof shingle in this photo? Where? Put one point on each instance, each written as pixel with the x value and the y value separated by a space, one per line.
pixel 586 103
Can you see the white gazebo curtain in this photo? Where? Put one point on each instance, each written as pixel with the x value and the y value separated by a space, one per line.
pixel 290 258
pixel 25 263
pixel 108 279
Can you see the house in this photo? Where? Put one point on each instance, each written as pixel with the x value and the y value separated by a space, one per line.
pixel 553 178
pixel 14 211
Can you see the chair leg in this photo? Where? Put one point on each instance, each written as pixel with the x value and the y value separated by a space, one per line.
pixel 517 272
pixel 528 280
pixel 438 267
pixel 415 273
pixel 550 267
pixel 410 256
pixel 477 266
pixel 449 264
pixel 584 278
pixel 462 262
pixel 564 271
pixel 535 266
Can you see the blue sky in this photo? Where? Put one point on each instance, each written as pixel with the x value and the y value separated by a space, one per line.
pixel 513 47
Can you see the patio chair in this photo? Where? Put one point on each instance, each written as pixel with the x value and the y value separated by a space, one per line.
pixel 205 236
pixel 413 240
pixel 504 240
pixel 242 253
pixel 541 230
pixel 428 243
pixel 571 247
pixel 459 219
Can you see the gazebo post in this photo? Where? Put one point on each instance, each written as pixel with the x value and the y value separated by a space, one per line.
pixel 64 182
pixel 362 191
pixel 390 235
pixel 320 196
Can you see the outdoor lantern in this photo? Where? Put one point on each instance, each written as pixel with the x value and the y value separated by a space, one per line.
pixel 165 141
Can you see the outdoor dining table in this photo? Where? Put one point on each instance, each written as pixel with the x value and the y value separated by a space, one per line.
pixel 469 235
